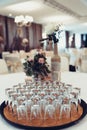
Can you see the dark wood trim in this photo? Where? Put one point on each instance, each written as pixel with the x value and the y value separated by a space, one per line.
pixel 7 35
pixel 67 38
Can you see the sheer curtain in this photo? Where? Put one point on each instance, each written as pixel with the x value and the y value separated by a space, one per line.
pixel 77 40
pixel 62 41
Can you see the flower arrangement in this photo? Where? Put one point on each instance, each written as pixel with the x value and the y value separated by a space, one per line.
pixel 24 42
pixel 37 66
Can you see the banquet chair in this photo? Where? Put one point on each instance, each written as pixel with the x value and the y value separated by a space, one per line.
pixel 5 53
pixel 22 54
pixel 84 63
pixel 74 59
pixel 84 60
pixel 33 51
pixel 3 67
pixel 14 64
pixel 64 63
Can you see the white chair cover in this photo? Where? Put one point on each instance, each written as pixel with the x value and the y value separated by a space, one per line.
pixel 14 64
pixel 64 63
pixel 3 67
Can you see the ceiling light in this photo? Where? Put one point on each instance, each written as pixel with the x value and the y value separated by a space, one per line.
pixel 23 20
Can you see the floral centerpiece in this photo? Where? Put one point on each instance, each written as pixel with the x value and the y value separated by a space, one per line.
pixel 37 67
pixel 24 42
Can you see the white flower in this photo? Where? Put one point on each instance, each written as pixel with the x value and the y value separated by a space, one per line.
pixel 24 41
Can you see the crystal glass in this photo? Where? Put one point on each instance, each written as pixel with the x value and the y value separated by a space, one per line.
pixel 49 114
pixel 36 115
pixel 21 112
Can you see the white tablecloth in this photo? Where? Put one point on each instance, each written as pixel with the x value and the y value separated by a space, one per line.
pixel 75 78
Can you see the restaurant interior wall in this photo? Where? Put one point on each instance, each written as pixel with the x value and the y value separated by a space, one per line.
pixel 34 33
